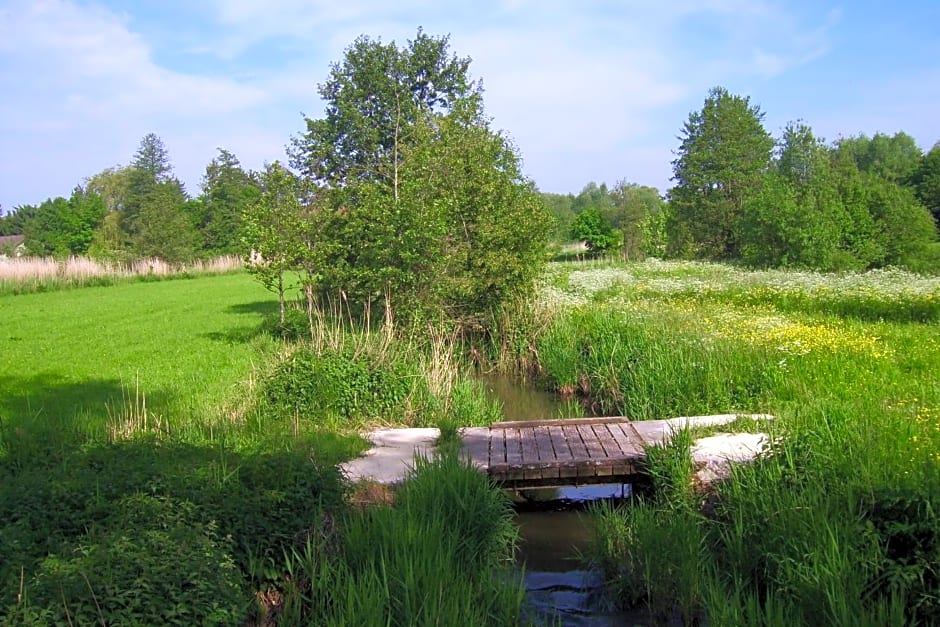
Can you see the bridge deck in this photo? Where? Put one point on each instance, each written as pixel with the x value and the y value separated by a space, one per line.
pixel 559 452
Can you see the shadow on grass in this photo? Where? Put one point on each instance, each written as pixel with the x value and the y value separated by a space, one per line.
pixel 46 414
pixel 237 335
pixel 258 501
pixel 265 307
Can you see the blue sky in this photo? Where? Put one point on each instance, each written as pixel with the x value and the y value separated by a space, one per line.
pixel 587 89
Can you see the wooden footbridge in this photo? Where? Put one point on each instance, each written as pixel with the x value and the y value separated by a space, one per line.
pixel 551 453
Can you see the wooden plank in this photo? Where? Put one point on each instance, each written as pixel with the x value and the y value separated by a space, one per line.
pixel 621 466
pixel 514 454
pixel 532 466
pixel 530 450
pixel 594 448
pixel 559 443
pixel 498 465
pixel 476 446
pixel 579 452
pixel 547 457
pixel 629 442
pixel 543 441
pixel 567 468
pixel 602 433
pixel 557 421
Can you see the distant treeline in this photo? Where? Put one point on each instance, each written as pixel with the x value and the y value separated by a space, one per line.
pixel 740 195
pixel 141 210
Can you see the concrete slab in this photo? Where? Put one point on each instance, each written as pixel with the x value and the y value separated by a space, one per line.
pixel 715 454
pixel 392 455
pixel 658 431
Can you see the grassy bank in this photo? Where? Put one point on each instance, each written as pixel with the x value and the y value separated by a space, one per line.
pixel 840 524
pixel 165 460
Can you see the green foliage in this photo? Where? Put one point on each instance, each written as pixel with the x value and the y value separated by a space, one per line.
pixel 592 196
pixel 723 155
pixel 907 524
pixel 374 97
pixel 653 556
pixel 422 202
pixel 227 191
pixel 320 386
pixel 14 222
pixel 160 566
pixel 637 368
pixel 926 182
pixel 597 234
pixel 560 207
pixel 816 209
pixel 63 227
pixel 905 228
pixel 433 558
pixel 639 213
pixel 896 158
pixel 161 228
pixel 838 521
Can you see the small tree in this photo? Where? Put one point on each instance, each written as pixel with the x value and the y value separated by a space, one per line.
pixel 596 233
pixel 272 231
pixel 418 197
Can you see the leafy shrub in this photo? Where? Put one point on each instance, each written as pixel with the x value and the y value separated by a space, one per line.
pixel 159 567
pixel 296 325
pixel 336 384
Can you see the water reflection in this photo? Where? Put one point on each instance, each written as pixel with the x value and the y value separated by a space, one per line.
pixel 555 527
pixel 526 402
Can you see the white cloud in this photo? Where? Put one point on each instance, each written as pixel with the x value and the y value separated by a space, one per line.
pixel 85 89
pixel 592 82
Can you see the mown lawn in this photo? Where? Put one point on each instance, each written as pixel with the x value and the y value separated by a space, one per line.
pixel 186 345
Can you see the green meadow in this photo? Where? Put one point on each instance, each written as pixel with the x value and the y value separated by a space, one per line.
pixel 840 522
pixel 168 451
pixel 165 459
pixel 184 345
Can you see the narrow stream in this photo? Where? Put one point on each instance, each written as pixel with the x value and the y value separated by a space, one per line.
pixel 555 529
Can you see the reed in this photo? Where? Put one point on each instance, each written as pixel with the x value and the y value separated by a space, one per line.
pixel 23 275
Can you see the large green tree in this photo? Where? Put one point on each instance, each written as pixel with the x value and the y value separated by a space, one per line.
pixel 895 158
pixel 153 219
pixel 419 198
pixel 723 155
pixel 374 97
pixel 797 218
pixel 162 228
pixel 227 190
pixel 61 227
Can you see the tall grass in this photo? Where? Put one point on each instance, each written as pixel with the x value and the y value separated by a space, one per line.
pixel 435 557
pixel 839 524
pixel 24 275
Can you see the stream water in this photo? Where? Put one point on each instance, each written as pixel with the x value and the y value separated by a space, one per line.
pixel 555 529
